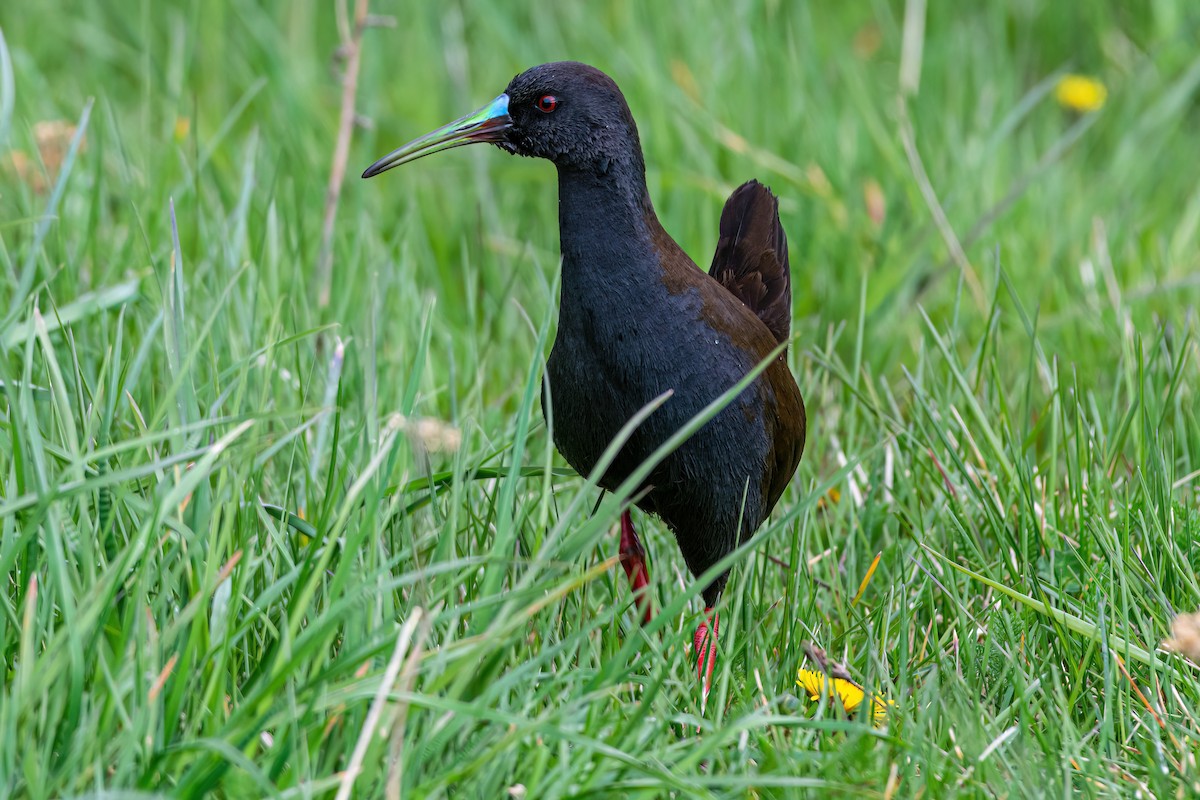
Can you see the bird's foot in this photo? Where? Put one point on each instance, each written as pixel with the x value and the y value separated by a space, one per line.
pixel 706 652
pixel 633 559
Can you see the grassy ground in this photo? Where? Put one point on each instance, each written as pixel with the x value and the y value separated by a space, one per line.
pixel 1012 427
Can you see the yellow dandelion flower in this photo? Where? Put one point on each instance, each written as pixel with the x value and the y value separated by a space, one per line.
pixel 849 693
pixel 832 496
pixel 1080 93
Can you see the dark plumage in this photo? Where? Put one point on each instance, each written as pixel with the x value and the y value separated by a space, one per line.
pixel 752 257
pixel 637 317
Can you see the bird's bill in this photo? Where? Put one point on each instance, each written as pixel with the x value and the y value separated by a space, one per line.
pixel 488 124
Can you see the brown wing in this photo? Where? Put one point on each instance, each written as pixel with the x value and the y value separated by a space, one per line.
pixel 752 256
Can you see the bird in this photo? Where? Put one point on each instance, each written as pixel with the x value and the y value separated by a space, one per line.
pixel 637 318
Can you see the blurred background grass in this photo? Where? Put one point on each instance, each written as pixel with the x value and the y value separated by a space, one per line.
pixel 1027 411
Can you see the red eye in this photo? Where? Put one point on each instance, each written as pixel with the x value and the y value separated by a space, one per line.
pixel 547 103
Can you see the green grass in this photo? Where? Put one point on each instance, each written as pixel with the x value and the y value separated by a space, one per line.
pixel 227 561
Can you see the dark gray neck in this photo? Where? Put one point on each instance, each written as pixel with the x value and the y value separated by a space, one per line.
pixel 606 231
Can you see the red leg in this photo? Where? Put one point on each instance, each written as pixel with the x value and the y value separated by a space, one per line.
pixel 706 650
pixel 633 559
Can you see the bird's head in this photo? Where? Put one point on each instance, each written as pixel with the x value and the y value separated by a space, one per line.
pixel 566 112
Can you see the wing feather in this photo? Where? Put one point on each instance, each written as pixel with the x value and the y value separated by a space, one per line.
pixel 751 260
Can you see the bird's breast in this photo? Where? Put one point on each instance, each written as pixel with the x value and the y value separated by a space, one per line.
pixel 611 359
